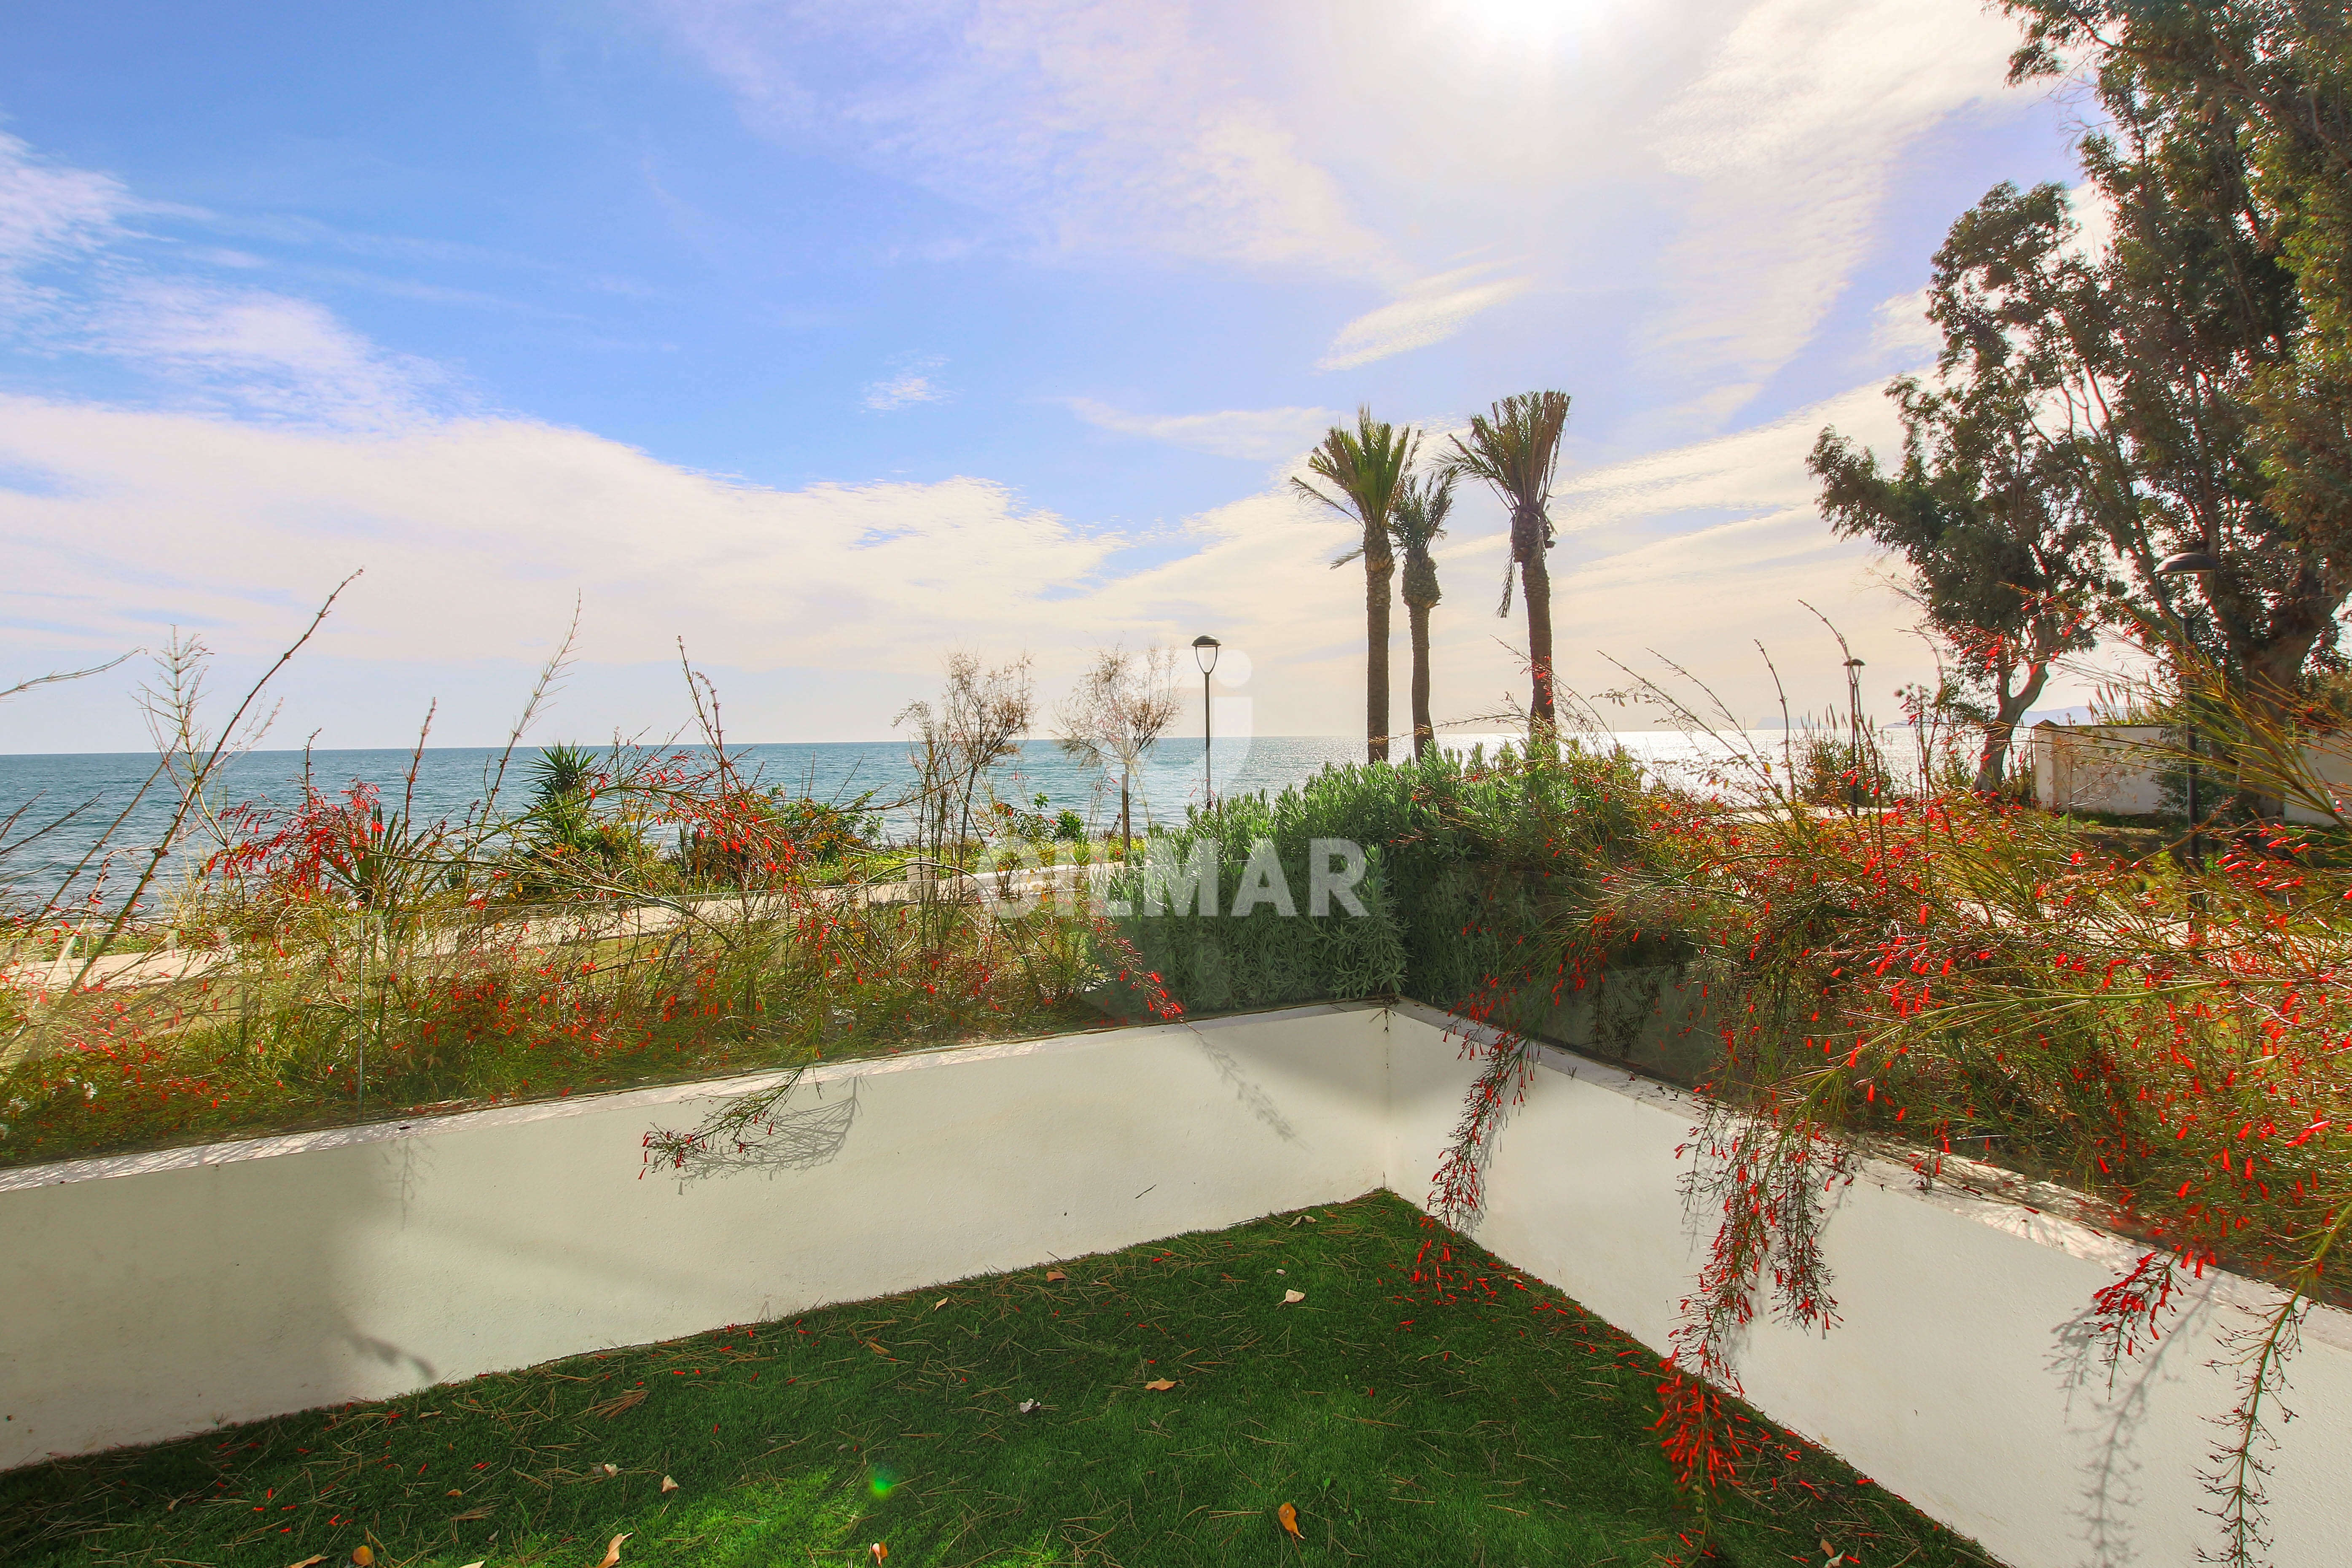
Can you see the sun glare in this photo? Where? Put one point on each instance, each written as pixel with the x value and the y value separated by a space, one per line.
pixel 1523 21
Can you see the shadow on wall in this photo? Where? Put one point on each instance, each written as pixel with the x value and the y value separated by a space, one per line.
pixel 137 1287
pixel 1654 1019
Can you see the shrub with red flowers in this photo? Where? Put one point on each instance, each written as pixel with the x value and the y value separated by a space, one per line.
pixel 344 957
pixel 1987 992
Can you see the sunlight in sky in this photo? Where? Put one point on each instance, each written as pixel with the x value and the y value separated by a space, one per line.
pixel 1536 22
pixel 992 324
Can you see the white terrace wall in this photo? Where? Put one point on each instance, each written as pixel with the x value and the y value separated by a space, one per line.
pixel 153 1296
pixel 2113 767
pixel 1951 1377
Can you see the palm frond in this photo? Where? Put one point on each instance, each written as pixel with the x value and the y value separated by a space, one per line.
pixel 1417 517
pixel 1514 449
pixel 1365 470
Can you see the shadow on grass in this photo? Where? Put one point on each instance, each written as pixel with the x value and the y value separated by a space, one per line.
pixel 1492 1424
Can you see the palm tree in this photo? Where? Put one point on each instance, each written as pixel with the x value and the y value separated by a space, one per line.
pixel 1365 467
pixel 1416 521
pixel 1516 451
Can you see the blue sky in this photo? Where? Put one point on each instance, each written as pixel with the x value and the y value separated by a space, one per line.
pixel 830 337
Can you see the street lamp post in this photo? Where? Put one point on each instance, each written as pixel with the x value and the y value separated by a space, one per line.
pixel 1204 654
pixel 1853 730
pixel 2189 563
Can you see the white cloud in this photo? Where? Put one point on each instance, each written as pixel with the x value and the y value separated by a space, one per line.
pixel 75 280
pixel 260 353
pixel 1098 124
pixel 48 210
pixel 1788 142
pixel 912 384
pixel 49 213
pixel 1899 328
pixel 1427 313
pixel 1270 434
pixel 1755 470
pixel 477 534
pixel 1703 551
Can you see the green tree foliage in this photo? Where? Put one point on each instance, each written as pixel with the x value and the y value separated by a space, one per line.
pixel 1986 510
pixel 2221 334
pixel 2169 375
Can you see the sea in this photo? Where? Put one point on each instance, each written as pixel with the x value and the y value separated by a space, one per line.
pixel 54 808
pixel 90 791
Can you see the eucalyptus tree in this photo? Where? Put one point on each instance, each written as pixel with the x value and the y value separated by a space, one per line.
pixel 2225 333
pixel 1991 509
pixel 1514 449
pixel 1416 521
pixel 1364 469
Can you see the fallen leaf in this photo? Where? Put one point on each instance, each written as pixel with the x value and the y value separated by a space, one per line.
pixel 1299 1221
pixel 454 1492
pixel 612 1553
pixel 1029 1406
pixel 941 1303
pixel 1287 1517
pixel 1161 1385
pixel 1055 1276
pixel 311 1562
pixel 476 1565
pixel 363 1556
pixel 612 1470
pixel 668 1485
pixel 877 1552
pixel 1292 1297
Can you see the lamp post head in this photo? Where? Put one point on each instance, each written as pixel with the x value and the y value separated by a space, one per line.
pixel 1204 652
pixel 1855 663
pixel 2188 562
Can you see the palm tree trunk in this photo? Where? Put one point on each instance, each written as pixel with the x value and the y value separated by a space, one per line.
pixel 1378 572
pixel 1424 732
pixel 1536 578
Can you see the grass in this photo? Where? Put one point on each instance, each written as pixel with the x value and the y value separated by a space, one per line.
pixel 1497 1424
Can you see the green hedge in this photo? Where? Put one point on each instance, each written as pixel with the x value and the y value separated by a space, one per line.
pixel 1476 871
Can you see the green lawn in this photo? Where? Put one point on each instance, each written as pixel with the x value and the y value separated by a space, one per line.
pixel 1500 1426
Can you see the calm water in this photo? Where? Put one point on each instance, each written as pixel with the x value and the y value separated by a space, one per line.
pixel 452 779
pixel 449 780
